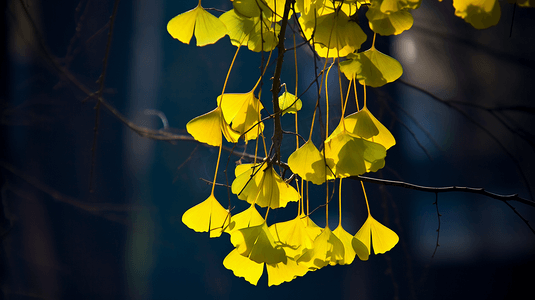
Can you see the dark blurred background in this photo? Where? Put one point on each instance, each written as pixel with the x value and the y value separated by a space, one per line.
pixel 125 240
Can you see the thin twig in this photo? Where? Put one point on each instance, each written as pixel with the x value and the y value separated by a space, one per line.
pixel 490 134
pixel 101 80
pixel 438 229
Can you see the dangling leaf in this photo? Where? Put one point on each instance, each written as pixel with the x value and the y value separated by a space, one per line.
pixel 242 112
pixel 244 267
pixel 388 24
pixel 208 29
pixel 247 218
pixel 372 68
pixel 208 128
pixel 250 32
pixel 251 8
pixel 288 103
pixel 365 125
pixel 392 6
pixel 293 236
pixel 382 238
pixel 335 34
pixel 284 271
pixel 346 239
pixel 479 13
pixel 266 188
pixel 207 216
pixel 244 186
pixel 256 243
pixel 351 155
pixel 327 249
pixel 308 163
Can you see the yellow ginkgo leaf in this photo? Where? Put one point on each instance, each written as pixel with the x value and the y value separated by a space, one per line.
pixel 242 112
pixel 257 243
pixel 392 6
pixel 251 8
pixel 350 154
pixel 382 238
pixel 266 188
pixel 275 192
pixel 327 249
pixel 284 271
pixel 308 163
pixel 248 180
pixel 250 32
pixel 480 13
pixel 365 125
pixel 335 34
pixel 293 236
pixel 207 216
pixel 346 239
pixel 247 218
pixel 242 266
pixel 208 29
pixel 372 68
pixel 388 24
pixel 360 249
pixel 289 103
pixel 208 128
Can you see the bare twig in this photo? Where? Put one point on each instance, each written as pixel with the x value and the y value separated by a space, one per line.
pixel 490 134
pixel 438 229
pixel 99 94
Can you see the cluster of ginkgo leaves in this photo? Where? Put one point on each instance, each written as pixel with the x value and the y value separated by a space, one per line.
pixel 356 146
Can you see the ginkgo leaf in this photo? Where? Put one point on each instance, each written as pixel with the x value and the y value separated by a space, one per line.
pixel 346 239
pixel 242 112
pixel 479 13
pixel 247 218
pixel 251 32
pixel 243 185
pixel 207 216
pixel 293 236
pixel 360 249
pixel 289 103
pixel 257 243
pixel 284 271
pixel 272 10
pixel 327 249
pixel 266 188
pixel 372 68
pixel 208 29
pixel 365 125
pixel 350 153
pixel 382 238
pixel 335 34
pixel 308 163
pixel 274 192
pixel 208 128
pixel 391 6
pixel 388 24
pixel 251 8
pixel 244 267
pixel 277 8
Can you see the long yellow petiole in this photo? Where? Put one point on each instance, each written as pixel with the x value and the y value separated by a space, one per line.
pixel 216 167
pixel 340 204
pixel 365 198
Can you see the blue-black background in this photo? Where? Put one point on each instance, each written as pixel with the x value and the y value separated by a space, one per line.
pixel 126 239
